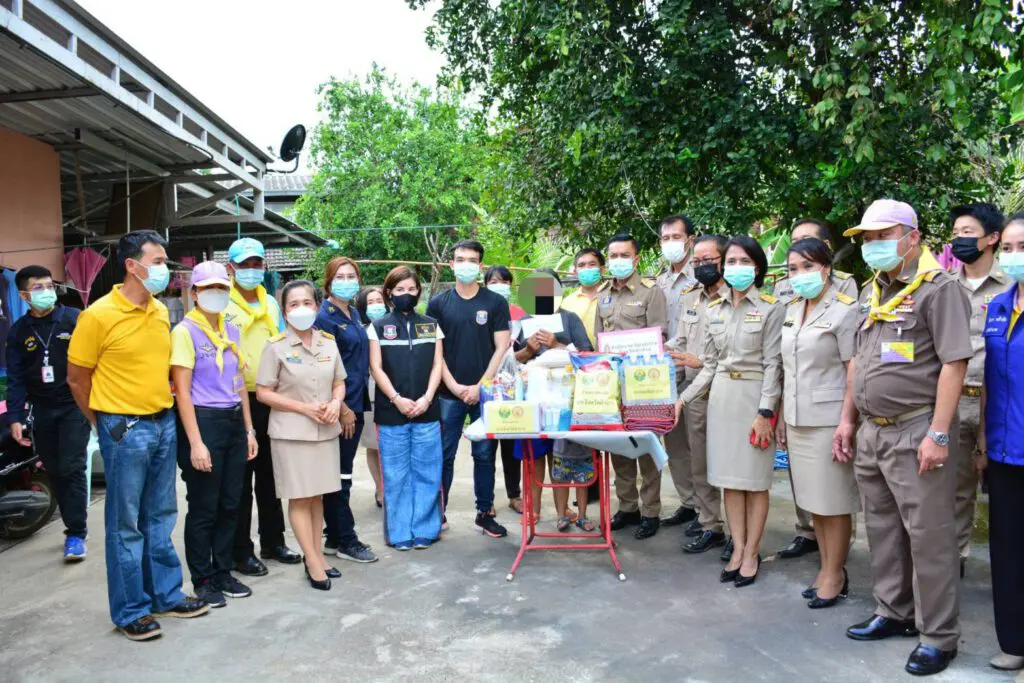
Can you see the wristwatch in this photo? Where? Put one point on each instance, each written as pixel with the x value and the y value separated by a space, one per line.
pixel 250 432
pixel 765 413
pixel 941 438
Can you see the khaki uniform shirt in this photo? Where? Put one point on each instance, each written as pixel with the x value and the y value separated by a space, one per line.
pixel 692 325
pixel 301 374
pixel 674 286
pixel 814 354
pixel 933 329
pixel 743 341
pixel 996 283
pixel 844 282
pixel 639 303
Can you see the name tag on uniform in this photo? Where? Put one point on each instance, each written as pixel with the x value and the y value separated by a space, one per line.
pixel 905 308
pixel 692 313
pixel 324 358
pixel 789 322
pixel 785 292
pixel 634 303
pixel 897 352
pixel 752 318
pixel 716 321
pixel 824 324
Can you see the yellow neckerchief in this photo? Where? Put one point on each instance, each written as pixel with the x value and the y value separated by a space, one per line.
pixel 886 312
pixel 219 337
pixel 250 316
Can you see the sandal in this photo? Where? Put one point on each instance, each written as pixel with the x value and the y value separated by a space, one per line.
pixel 516 505
pixel 585 524
pixel 571 516
pixel 563 524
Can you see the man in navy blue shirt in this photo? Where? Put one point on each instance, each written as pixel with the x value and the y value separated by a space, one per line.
pixel 37 364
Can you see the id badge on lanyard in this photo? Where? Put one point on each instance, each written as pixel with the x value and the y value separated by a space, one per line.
pixel 47 370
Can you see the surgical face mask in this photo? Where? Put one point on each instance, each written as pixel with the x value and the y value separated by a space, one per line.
pixel 621 268
pixel 249 278
pixel 740 277
pixel 42 299
pixel 707 274
pixel 376 311
pixel 213 300
pixel 405 303
pixel 674 251
pixel 157 279
pixel 301 318
pixel 466 272
pixel 1012 263
pixel 807 285
pixel 882 255
pixel 966 249
pixel 501 289
pixel 345 290
pixel 589 277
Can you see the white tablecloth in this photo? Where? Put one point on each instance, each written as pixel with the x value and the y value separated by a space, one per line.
pixel 628 444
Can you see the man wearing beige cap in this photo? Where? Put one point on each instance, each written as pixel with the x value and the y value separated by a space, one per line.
pixel 912 347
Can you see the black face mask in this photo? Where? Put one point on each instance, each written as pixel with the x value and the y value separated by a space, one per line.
pixel 966 249
pixel 405 303
pixel 707 274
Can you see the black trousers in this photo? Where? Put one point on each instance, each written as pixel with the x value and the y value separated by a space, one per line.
pixel 212 513
pixel 259 479
pixel 341 525
pixel 61 434
pixel 1005 512
pixel 512 468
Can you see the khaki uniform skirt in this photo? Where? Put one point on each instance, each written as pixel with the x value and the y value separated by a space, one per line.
pixel 821 485
pixel 303 469
pixel 732 462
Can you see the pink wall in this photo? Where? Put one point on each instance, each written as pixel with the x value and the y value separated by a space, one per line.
pixel 30 212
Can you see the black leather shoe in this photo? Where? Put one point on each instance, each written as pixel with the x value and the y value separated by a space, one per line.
pixel 693 529
pixel 250 566
pixel 880 628
pixel 682 515
pixel 282 554
pixel 926 660
pixel 706 541
pixel 620 520
pixel 742 581
pixel 728 575
pixel 324 585
pixel 798 548
pixel 817 602
pixel 648 527
pixel 727 551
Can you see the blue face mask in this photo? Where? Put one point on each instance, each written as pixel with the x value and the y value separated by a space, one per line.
pixel 157 279
pixel 740 277
pixel 807 285
pixel 376 311
pixel 882 254
pixel 43 299
pixel 621 268
pixel 249 278
pixel 345 290
pixel 1012 263
pixel 589 276
pixel 466 272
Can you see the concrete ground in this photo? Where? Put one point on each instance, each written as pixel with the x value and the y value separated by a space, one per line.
pixel 447 614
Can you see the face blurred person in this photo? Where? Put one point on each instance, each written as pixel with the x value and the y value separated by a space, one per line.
pixel 302 380
pixel 370 304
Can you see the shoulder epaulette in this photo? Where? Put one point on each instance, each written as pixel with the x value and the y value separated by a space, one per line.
pixel 845 299
pixel 714 302
pixel 841 275
pixel 692 288
pixel 326 335
pixel 768 298
pixel 277 337
pixel 649 283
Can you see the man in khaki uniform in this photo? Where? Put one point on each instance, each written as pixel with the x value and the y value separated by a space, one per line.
pixel 686 347
pixel 976 230
pixel 629 302
pixel 805 540
pixel 912 348
pixel 677 239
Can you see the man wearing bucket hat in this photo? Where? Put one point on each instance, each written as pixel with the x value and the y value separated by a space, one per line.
pixel 257 317
pixel 904 382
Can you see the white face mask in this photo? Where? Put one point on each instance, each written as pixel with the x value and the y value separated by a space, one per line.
pixel 301 318
pixel 674 251
pixel 213 300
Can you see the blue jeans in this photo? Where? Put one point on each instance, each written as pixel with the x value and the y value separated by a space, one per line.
pixel 139 463
pixel 453 418
pixel 341 525
pixel 410 461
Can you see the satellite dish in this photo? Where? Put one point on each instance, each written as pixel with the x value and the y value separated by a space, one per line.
pixel 292 144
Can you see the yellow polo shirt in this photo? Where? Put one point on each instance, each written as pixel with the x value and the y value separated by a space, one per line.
pixel 586 308
pixel 129 351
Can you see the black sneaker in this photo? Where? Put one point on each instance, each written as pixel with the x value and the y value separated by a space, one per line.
pixel 232 587
pixel 210 594
pixel 191 607
pixel 143 628
pixel 490 526
pixel 357 552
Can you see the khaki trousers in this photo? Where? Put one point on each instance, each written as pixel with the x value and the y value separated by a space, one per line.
pixel 648 501
pixel 707 499
pixel 966 477
pixel 677 445
pixel 911 528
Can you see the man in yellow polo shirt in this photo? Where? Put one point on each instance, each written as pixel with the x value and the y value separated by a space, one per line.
pixel 118 371
pixel 589 266
pixel 258 317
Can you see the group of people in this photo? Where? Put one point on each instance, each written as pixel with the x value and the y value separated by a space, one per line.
pixel 872 394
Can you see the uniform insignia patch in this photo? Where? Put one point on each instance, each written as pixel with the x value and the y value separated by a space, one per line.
pixel 390 332
pixel 481 317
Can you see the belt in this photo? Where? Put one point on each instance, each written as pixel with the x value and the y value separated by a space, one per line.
pixel 904 417
pixel 155 417
pixel 734 374
pixel 210 410
pixel 971 392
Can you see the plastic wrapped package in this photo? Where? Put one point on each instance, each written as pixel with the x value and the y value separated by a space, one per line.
pixel 596 396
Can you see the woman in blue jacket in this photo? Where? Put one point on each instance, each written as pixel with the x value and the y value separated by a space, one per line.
pixel 1003 401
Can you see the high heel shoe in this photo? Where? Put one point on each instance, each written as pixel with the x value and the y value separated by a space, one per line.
pixel 822 603
pixel 742 581
pixel 324 585
pixel 728 575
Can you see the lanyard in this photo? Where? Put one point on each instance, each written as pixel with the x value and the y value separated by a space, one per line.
pixel 58 316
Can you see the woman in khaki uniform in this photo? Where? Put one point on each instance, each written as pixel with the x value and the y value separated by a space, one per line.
pixel 817 344
pixel 742 367
pixel 302 379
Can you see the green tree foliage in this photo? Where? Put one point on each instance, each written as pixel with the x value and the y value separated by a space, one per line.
pixel 734 111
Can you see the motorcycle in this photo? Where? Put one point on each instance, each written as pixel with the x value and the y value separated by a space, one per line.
pixel 27 499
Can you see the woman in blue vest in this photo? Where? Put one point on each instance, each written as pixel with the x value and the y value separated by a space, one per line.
pixel 1003 410
pixel 406 362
